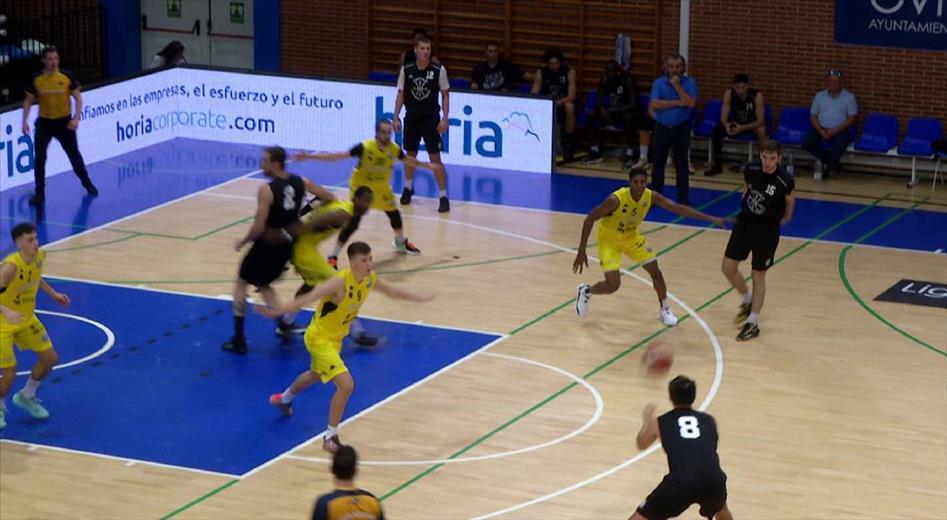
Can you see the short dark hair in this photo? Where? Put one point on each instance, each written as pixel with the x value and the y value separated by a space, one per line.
pixel 276 153
pixel 382 121
pixel 741 78
pixel 344 462
pixel 491 42
pixel 421 39
pixel 418 31
pixel 634 172
pixel 673 57
pixel 553 53
pixel 49 49
pixel 358 248
pixel 683 391
pixel 771 145
pixel 23 228
pixel 361 191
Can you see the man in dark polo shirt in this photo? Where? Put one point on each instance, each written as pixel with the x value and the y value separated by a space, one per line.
pixel 52 88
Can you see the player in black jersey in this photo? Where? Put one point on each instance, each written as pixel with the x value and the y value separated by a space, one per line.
pixel 278 205
pixel 689 439
pixel 418 85
pixel 616 107
pixel 409 56
pixel 743 112
pixel 767 205
pixel 557 80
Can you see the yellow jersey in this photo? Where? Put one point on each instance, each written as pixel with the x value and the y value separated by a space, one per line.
pixel 316 236
pixel 20 295
pixel 348 504
pixel 53 91
pixel 622 224
pixel 332 319
pixel 374 163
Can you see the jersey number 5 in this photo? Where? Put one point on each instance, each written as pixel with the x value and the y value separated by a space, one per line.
pixel 689 427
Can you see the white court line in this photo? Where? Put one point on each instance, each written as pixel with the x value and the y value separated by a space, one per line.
pixel 109 340
pixel 391 397
pixel 715 386
pixel 230 297
pixel 31 446
pixel 599 409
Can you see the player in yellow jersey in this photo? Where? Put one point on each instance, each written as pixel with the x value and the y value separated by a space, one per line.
pixel 620 215
pixel 21 276
pixel 339 300
pixel 376 162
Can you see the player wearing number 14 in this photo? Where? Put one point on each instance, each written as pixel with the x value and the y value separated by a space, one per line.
pixel 689 438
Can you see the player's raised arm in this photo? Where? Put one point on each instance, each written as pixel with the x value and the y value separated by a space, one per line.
pixel 332 286
pixel 320 156
pixel 686 211
pixel 607 206
pixel 393 291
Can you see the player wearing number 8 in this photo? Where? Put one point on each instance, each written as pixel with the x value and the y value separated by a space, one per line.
pixel 689 438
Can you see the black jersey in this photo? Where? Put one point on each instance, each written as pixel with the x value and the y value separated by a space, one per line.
pixel 618 91
pixel 555 83
pixel 497 78
pixel 422 86
pixel 689 438
pixel 287 200
pixel 742 111
pixel 764 202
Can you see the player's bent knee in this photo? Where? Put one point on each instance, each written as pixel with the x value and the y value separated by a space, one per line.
pixel 395 218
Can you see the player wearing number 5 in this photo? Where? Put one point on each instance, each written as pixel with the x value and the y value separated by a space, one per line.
pixel 339 300
pixel 689 438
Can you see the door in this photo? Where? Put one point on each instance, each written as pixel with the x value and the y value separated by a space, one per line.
pixel 214 32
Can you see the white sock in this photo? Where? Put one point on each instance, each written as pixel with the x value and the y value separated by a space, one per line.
pixel 29 389
pixel 337 249
pixel 753 317
pixel 443 193
pixel 399 235
pixel 288 396
pixel 746 299
pixel 664 304
pixel 331 431
pixel 630 152
pixel 357 328
pixel 643 150
pixel 594 148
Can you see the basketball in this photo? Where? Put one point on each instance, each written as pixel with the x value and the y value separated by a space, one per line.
pixel 658 358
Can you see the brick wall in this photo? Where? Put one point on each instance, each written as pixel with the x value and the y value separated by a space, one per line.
pixel 324 37
pixel 785 46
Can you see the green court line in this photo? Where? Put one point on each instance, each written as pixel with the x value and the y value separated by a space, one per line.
pixel 843 255
pixel 200 499
pixel 97 244
pixel 221 228
pixel 620 355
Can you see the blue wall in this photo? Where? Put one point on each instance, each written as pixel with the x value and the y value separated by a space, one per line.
pixel 122 41
pixel 266 35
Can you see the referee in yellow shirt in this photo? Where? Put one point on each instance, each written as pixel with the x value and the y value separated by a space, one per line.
pixel 53 87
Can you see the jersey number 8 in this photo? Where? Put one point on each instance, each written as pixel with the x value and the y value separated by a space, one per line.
pixel 688 427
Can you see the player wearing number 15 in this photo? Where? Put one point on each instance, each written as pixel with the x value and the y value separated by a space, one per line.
pixel 689 438
pixel 339 300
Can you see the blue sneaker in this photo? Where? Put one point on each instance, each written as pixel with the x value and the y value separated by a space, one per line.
pixel 31 405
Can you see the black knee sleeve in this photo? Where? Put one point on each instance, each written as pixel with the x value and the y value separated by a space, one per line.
pixel 349 229
pixel 395 218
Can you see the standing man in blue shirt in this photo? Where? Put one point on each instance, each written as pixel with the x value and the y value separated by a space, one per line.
pixel 673 96
pixel 832 114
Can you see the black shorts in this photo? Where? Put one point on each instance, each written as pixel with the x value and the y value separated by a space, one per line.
pixel 761 240
pixel 671 498
pixel 265 263
pixel 420 126
pixel 646 123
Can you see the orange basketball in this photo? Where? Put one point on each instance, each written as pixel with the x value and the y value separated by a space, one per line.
pixel 658 358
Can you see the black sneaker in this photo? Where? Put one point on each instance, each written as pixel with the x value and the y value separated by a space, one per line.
pixel 37 199
pixel 592 158
pixel 236 345
pixel 286 331
pixel 743 313
pixel 406 195
pixel 715 169
pixel 365 340
pixel 444 205
pixel 748 332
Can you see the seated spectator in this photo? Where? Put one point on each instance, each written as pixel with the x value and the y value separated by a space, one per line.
pixel 496 74
pixel 171 54
pixel 557 80
pixel 833 112
pixel 743 112
pixel 408 56
pixel 616 106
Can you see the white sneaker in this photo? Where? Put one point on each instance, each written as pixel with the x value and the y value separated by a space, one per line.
pixel 642 163
pixel 583 293
pixel 817 171
pixel 667 317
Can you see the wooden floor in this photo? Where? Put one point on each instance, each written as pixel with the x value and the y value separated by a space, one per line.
pixel 830 413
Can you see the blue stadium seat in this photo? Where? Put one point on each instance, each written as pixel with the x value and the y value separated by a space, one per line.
pixel 919 135
pixel 879 134
pixel 458 83
pixel 588 108
pixel 709 119
pixel 793 125
pixel 523 88
pixel 382 77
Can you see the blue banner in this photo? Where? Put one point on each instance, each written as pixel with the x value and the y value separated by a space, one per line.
pixel 916 24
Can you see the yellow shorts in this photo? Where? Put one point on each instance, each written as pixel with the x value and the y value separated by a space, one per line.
pixel 31 335
pixel 382 197
pixel 324 355
pixel 634 247
pixel 311 265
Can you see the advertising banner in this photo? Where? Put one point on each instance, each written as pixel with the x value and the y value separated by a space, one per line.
pixel 915 24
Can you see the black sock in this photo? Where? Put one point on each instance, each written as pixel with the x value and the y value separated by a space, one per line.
pixel 238 326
